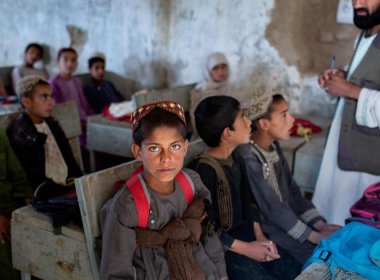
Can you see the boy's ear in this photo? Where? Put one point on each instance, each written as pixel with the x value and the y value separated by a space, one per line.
pixel 226 133
pixel 135 149
pixel 186 145
pixel 25 101
pixel 263 124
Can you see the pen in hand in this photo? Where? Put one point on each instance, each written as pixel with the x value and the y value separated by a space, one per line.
pixel 332 66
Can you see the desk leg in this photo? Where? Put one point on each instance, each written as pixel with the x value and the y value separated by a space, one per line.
pixel 92 160
pixel 25 276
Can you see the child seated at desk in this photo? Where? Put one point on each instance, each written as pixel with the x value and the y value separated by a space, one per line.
pixel 39 141
pixel 249 254
pixel 98 91
pixel 66 87
pixel 155 227
pixel 33 53
pixel 287 217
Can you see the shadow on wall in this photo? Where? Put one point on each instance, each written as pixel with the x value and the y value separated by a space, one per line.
pixel 78 37
pixel 47 55
pixel 263 77
pixel 153 74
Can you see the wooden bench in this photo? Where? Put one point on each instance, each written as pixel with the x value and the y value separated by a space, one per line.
pixel 36 248
pixel 6 78
pixel 124 85
pixel 95 189
pixel 322 271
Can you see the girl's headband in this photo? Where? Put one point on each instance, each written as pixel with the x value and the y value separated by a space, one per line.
pixel 144 110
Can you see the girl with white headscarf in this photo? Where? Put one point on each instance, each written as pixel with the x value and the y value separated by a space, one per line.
pixel 215 75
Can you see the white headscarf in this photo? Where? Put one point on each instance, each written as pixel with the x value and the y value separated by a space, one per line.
pixel 209 87
pixel 213 60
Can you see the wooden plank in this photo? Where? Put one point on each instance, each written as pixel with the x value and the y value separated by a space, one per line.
pixel 123 84
pixel 93 191
pixel 322 271
pixel 112 137
pixel 46 255
pixel 67 115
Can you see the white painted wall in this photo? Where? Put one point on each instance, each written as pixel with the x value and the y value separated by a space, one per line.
pixel 157 42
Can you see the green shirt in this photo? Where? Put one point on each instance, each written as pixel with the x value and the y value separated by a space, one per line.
pixel 14 186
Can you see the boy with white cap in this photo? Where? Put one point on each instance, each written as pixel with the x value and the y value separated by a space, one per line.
pixel 286 216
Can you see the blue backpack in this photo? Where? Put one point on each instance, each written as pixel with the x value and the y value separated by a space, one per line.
pixel 349 248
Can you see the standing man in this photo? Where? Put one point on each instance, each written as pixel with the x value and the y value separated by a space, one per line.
pixel 351 159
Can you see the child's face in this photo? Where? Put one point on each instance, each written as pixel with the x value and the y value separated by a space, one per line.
pixel 219 73
pixel 67 63
pixel 281 122
pixel 97 70
pixel 242 129
pixel 40 104
pixel 162 154
pixel 32 55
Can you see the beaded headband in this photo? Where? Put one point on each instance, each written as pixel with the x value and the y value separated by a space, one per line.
pixel 144 110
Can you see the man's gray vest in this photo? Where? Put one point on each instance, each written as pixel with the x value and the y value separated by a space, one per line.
pixel 359 146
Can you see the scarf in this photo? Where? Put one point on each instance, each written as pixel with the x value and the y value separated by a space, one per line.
pixel 178 236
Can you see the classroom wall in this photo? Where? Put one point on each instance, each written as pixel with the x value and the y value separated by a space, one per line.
pixel 277 44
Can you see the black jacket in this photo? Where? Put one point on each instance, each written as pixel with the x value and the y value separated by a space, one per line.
pixel 28 145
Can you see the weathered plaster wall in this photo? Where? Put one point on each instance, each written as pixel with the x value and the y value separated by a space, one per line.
pixel 307 35
pixel 269 43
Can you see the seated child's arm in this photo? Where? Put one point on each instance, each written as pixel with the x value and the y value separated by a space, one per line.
pixel 269 203
pixel 256 250
pixel 118 239
pixel 211 242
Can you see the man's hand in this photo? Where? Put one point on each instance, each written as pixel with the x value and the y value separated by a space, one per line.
pixel 327 75
pixel 334 83
pixel 338 86
pixel 5 229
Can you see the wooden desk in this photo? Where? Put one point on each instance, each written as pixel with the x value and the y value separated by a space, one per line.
pixel 107 136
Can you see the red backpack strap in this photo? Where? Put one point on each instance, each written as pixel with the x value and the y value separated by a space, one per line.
pixel 141 196
pixel 139 191
pixel 187 185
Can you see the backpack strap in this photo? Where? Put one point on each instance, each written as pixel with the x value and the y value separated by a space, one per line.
pixel 141 196
pixel 187 186
pixel 223 191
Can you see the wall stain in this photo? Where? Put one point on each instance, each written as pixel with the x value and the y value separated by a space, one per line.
pixel 307 35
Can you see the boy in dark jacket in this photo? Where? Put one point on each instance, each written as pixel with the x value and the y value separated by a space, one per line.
pixel 98 91
pixel 44 151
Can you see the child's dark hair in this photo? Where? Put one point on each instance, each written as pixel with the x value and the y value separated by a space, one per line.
pixel 36 46
pixel 276 98
pixel 157 118
pixel 213 115
pixel 63 50
pixel 95 59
